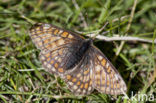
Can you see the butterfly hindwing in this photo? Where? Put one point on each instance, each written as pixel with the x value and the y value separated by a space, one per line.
pixel 80 81
pixel 106 78
pixel 52 60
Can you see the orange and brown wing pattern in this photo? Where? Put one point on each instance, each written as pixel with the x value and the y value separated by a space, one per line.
pixel 52 60
pixel 55 44
pixel 106 78
pixel 74 59
pixel 80 81
pixel 48 37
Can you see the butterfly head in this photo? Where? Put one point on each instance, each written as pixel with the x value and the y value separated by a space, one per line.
pixel 89 41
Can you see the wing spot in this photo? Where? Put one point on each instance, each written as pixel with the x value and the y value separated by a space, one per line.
pixel 47 55
pixel 55 54
pixel 32 30
pixel 74 80
pixel 112 91
pixel 84 79
pixel 38 28
pixel 103 62
pixel 86 72
pixel 56 57
pixel 60 31
pixel 60 52
pixel 60 70
pixel 107 64
pixel 112 84
pixel 53 45
pixel 46 36
pixel 98 68
pixel 68 77
pixel 81 86
pixel 75 87
pixel 52 61
pixel 70 36
pixel 86 85
pixel 112 75
pixel 49 46
pixel 103 82
pixel 89 88
pixel 115 86
pixel 118 85
pixel 70 83
pixel 64 34
pixel 78 83
pixel 98 75
pixel 45 63
pixel 56 65
pixel 84 91
pixel 109 69
pixel 46 26
pixel 49 66
pixel 60 42
pixel 103 75
pixel 108 83
pixel 54 38
pixel 79 90
pixel 102 88
pixel 46 41
pixel 59 59
pixel 107 89
pixel 100 57
pixel 87 77
pixel 90 83
pixel 56 31
pixel 78 75
pixel 98 82
pixel 39 33
pixel 48 32
pixel 42 58
pixel 33 35
pixel 40 44
pixel 37 39
pixel 81 78
pixel 48 59
pixel 53 69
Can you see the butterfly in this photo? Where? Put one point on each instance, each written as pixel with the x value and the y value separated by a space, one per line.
pixel 76 60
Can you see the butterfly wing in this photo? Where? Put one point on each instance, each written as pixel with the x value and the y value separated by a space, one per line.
pixel 53 62
pixel 105 77
pixel 56 45
pixel 80 81
pixel 48 37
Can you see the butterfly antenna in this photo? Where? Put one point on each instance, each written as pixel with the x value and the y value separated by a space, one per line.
pixel 87 23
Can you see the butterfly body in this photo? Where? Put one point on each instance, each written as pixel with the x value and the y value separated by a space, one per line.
pixel 76 60
pixel 78 53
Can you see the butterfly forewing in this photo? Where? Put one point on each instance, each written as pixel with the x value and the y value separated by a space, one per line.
pixel 55 44
pixel 49 37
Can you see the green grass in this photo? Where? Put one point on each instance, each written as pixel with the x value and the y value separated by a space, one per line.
pixel 22 78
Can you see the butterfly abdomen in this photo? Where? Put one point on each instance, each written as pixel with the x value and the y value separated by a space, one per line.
pixel 76 57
